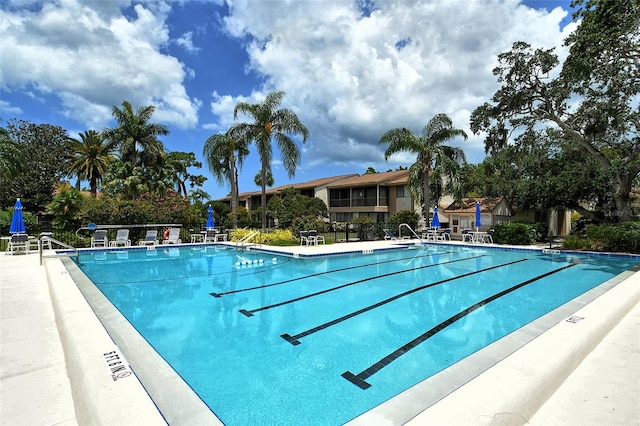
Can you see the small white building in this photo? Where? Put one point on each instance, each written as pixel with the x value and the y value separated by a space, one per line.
pixel 493 211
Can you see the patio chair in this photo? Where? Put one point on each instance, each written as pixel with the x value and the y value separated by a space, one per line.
pixel 150 239
pixel 304 238
pixel 122 239
pixel 488 238
pixel 211 236
pixel 315 238
pixel 99 239
pixel 467 236
pixel 388 235
pixel 431 234
pixel 445 235
pixel 18 242
pixel 173 237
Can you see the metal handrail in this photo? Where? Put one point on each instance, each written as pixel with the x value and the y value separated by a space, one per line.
pixel 246 239
pixel 60 243
pixel 410 229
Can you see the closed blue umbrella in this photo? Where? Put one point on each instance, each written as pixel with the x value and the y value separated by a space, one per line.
pixel 435 222
pixel 210 222
pixel 478 222
pixel 17 222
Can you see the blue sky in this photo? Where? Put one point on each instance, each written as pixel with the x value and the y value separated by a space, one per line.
pixel 351 69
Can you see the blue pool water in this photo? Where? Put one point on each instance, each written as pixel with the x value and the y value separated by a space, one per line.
pixel 269 339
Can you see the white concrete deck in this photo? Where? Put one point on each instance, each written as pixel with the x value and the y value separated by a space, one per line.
pixel 53 372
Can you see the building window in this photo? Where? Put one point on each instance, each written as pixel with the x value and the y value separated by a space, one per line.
pixel 339 197
pixel 384 196
pixel 402 192
pixel 341 217
pixel 365 196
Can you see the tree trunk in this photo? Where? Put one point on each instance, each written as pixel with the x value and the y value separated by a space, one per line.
pixel 234 195
pixel 622 181
pixel 183 189
pixel 426 195
pixel 93 185
pixel 587 213
pixel 621 195
pixel 263 174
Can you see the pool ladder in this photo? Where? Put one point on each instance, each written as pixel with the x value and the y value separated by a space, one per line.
pixel 242 243
pixel 410 229
pixel 49 241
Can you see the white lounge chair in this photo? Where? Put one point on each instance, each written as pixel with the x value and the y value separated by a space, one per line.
pixel 388 235
pixel 173 237
pixel 122 239
pixel 150 239
pixel 99 239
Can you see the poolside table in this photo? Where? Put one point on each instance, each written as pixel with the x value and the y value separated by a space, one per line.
pixel 478 236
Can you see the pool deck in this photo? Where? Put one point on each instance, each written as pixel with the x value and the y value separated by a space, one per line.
pixel 54 371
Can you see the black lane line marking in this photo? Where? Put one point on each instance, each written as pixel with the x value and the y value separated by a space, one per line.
pixel 250 313
pixel 295 340
pixel 360 378
pixel 323 273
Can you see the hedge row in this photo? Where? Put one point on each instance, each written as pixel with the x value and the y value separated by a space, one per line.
pixel 516 233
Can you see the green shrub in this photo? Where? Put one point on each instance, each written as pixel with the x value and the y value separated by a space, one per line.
pixel 622 237
pixel 30 220
pixel 364 227
pixel 305 223
pixel 403 216
pixel 541 231
pixel 281 237
pixel 71 238
pixel 576 242
pixel 516 233
pixel 242 216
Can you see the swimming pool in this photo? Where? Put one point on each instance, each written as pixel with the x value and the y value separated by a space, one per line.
pixel 268 339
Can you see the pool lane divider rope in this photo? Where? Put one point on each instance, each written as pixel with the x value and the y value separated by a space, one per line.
pixel 250 312
pixel 360 378
pixel 323 273
pixel 295 339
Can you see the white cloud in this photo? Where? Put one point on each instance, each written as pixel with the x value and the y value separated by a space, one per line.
pixel 186 42
pixel 351 77
pixel 92 57
pixel 7 109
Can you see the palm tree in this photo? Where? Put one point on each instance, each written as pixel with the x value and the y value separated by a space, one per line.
pixel 434 158
pixel 91 157
pixel 65 205
pixel 177 164
pixel 221 153
pixel 198 195
pixel 271 122
pixel 136 138
pixel 269 176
